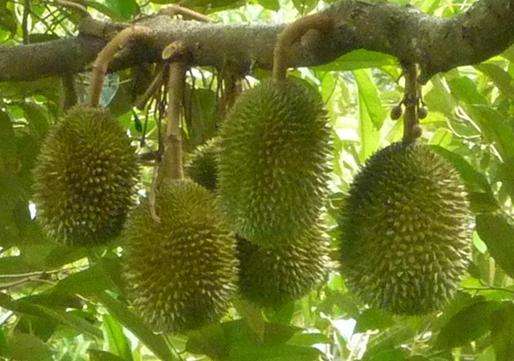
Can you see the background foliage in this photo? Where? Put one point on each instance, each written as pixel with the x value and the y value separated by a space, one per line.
pixel 63 303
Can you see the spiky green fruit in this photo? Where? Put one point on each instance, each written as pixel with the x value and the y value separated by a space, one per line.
pixel 182 271
pixel 273 164
pixel 85 177
pixel 406 230
pixel 202 165
pixel 270 277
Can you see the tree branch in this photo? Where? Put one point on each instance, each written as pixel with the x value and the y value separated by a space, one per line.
pixel 437 44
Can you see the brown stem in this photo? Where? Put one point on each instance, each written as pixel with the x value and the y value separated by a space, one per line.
pixel 186 13
pixel 411 128
pixel 69 90
pixel 171 166
pixel 232 87
pixel 107 54
pixel 152 88
pixel 292 33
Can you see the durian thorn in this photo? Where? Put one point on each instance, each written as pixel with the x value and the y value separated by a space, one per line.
pixel 171 166
pixel 186 13
pixel 411 128
pixel 106 55
pixel 291 34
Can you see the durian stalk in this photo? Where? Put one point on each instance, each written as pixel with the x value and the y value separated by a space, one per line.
pixel 106 55
pixel 171 167
pixel 411 128
pixel 292 33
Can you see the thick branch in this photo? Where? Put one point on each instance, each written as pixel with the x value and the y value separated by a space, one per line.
pixel 484 30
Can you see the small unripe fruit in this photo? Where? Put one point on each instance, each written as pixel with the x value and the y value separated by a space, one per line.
pixel 422 112
pixel 396 112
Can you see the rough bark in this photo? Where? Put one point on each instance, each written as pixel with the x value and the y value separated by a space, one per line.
pixel 486 29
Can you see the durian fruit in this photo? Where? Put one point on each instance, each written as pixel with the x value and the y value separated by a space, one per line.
pixel 85 177
pixel 270 277
pixel 202 165
pixel 273 165
pixel 406 230
pixel 181 272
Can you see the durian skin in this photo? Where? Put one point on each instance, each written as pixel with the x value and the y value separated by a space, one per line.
pixel 273 277
pixel 85 178
pixel 202 165
pixel 273 165
pixel 406 230
pixel 181 272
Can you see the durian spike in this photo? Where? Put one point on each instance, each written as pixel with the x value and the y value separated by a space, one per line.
pixel 171 165
pixel 411 128
pixel 292 33
pixel 106 55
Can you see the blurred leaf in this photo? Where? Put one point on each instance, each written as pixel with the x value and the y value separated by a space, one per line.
pixel 371 114
pixel 97 355
pixel 270 4
pixel 467 325
pixel 304 6
pixel 274 353
pixel 127 318
pixel 115 9
pixel 373 319
pixel 492 124
pixel 117 342
pixel 498 234
pixel 25 347
pixel 500 77
pixel 502 332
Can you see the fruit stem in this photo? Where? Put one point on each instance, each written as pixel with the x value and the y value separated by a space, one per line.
pixel 106 55
pixel 292 33
pixel 411 128
pixel 171 165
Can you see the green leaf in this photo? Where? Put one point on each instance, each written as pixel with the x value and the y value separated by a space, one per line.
pixel 502 332
pixel 475 181
pixel 97 355
pixel 117 342
pixel 37 117
pixel 500 77
pixel 498 234
pixel 373 319
pixel 274 353
pixel 467 325
pixel 65 318
pixel 493 125
pixel 371 114
pixel 93 280
pixel 127 318
pixel 359 59
pixel 26 347
pixel 116 9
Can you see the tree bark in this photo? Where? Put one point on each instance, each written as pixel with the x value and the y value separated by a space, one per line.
pixel 485 29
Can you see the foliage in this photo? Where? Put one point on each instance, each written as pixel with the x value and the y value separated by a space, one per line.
pixel 67 303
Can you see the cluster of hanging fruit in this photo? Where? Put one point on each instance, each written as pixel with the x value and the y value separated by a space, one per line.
pixel 247 219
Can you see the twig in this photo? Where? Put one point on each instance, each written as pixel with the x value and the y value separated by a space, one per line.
pixel 107 54
pixel 24 21
pixel 75 7
pixel 70 92
pixel 186 13
pixel 488 288
pixel 152 88
pixel 292 33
